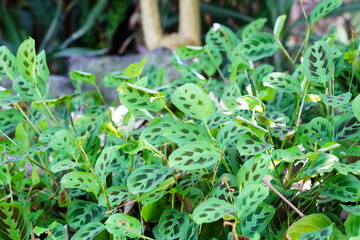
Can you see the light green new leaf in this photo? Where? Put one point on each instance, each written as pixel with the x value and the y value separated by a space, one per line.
pixel 279 24
pixel 42 69
pixel 323 8
pixel 122 225
pixel 81 180
pixel 187 52
pixel 252 28
pixel 14 223
pixel 183 133
pixel 89 231
pixel 173 224
pixel 146 178
pixel 250 198
pixel 193 101
pixel 134 97
pixel 318 63
pixel 307 224
pixel 211 210
pixel 259 46
pixel 135 69
pixel 282 82
pixel 26 60
pixel 80 213
pixel 194 156
pixel 356 107
pixel 83 77
pixel 352 225
pixel 8 63
pixel 253 170
pixel 336 101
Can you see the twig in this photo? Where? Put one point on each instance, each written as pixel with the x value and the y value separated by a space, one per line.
pixel 283 198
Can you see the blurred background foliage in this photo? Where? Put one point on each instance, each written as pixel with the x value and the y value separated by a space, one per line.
pixel 95 27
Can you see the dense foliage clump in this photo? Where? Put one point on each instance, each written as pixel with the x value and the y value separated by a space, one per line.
pixel 231 149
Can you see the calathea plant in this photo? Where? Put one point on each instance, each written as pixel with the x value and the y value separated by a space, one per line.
pixel 231 150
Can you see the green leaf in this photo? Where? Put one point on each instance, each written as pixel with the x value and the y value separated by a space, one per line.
pixel 356 107
pixel 116 195
pixel 134 97
pixel 253 170
pixel 122 225
pixel 63 142
pixel 307 224
pixel 183 133
pixel 320 234
pixel 231 98
pixel 336 101
pixel 42 69
pixel 250 198
pixel 343 188
pixel 188 52
pixel 248 146
pixel 26 60
pixel 154 133
pixel 27 89
pixel 318 63
pixel 323 163
pixel 210 59
pixel 89 231
pixel 344 168
pixel 63 165
pixel 135 69
pixel 193 101
pixel 211 210
pixel 257 221
pixel 8 63
pixel 282 82
pixel 9 119
pixel 46 136
pixel 352 225
pixel 323 8
pixel 259 46
pixel 216 119
pixel 279 24
pixel 194 156
pixel 347 127
pixel 288 155
pixel 151 197
pixel 355 210
pixel 81 180
pixel 83 77
pixel 110 159
pixel 173 224
pixel 253 28
pixel 81 212
pixel 14 223
pixel 220 36
pixel 281 131
pixel 146 178
pixel 114 79
pixel 229 134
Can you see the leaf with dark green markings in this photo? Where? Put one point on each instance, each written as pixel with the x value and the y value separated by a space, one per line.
pixel 183 133
pixel 216 119
pixel 323 8
pixel 346 127
pixel 288 155
pixel 188 52
pixel 336 101
pixel 115 195
pixel 259 46
pixel 194 156
pixel 246 145
pixel 173 224
pixel 89 231
pixel 62 141
pixel 229 135
pixel 308 224
pixel 230 97
pixel 250 198
pixel 64 165
pixel 42 69
pixel 220 36
pixel 153 196
pixel 154 133
pixel 9 119
pixel 281 131
pixel 27 89
pixel 318 63
pixel 355 210
pixel 344 168
pixel 210 59
pixel 82 212
pixel 147 177
pixel 81 180
pixel 14 223
pixel 343 188
pixel 253 170
pixel 211 210
pixel 193 101
pixel 8 63
pixel 253 28
pixel 282 82
pixel 324 163
pixel 122 225
pixel 26 60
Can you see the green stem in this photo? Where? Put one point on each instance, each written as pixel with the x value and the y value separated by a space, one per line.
pixel 307 83
pixel 46 107
pixel 287 55
pixel 100 94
